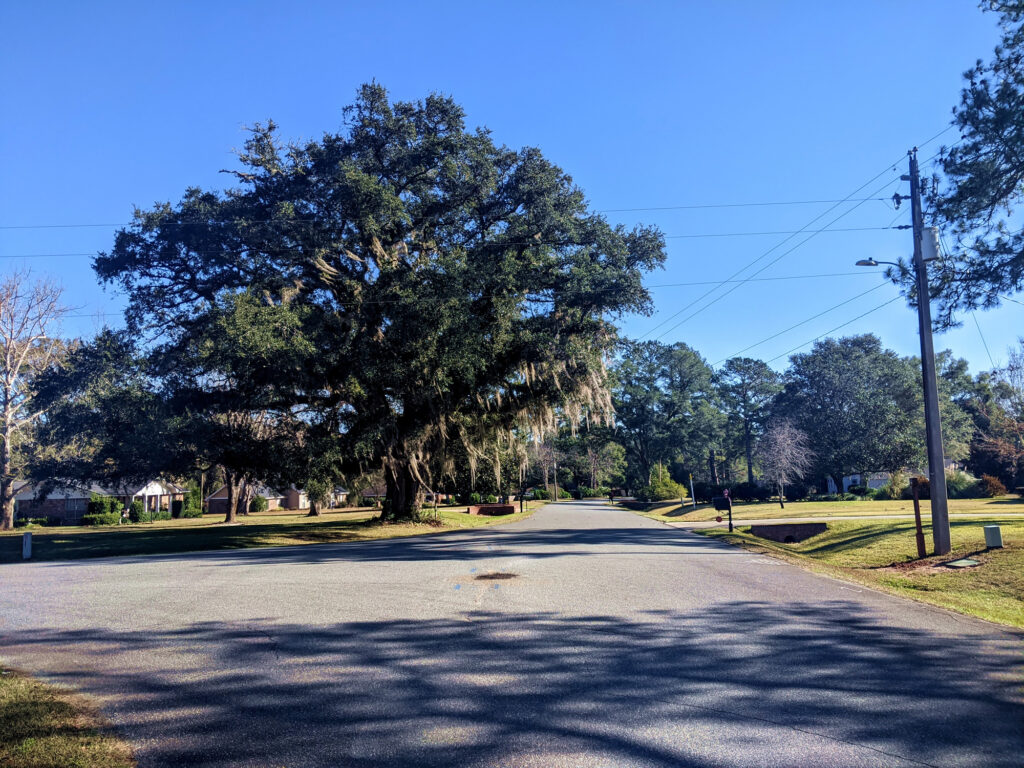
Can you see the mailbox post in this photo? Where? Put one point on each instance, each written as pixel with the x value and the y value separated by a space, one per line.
pixel 724 504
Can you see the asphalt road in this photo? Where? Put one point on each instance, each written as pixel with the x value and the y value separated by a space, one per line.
pixel 615 641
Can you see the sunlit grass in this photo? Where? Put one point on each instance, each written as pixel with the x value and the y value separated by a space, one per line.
pixel 43 727
pixel 672 511
pixel 882 554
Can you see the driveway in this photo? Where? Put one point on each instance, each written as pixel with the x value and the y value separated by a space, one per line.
pixel 582 636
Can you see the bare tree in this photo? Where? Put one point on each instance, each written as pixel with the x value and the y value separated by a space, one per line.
pixel 30 312
pixel 785 455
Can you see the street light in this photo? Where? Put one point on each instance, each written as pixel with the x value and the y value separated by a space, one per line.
pixel 933 425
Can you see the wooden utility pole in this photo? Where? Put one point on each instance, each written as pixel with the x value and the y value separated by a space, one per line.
pixel 933 425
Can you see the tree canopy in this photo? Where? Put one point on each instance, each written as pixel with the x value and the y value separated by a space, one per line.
pixel 440 277
pixel 983 180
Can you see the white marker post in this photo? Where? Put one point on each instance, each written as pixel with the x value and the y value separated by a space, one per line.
pixel 26 546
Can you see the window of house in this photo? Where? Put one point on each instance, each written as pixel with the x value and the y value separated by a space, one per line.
pixel 75 505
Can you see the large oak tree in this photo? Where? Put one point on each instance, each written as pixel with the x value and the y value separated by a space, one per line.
pixel 450 278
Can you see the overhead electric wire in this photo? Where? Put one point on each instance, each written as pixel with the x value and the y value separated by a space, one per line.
pixel 803 322
pixel 982 335
pixel 833 330
pixel 523 243
pixel 849 198
pixel 735 205
pixel 306 220
pixel 762 269
pixel 761 279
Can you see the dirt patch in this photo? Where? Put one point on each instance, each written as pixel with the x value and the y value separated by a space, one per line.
pixel 496 576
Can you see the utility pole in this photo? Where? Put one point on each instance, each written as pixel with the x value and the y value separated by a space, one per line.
pixel 933 426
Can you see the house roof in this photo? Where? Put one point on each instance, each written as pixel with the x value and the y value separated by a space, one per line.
pixel 261 490
pixel 87 490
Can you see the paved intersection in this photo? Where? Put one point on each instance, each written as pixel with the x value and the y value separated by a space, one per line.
pixel 614 641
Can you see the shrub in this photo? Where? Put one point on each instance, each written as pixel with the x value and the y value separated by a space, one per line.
pixel 751 492
pixel 474 498
pixel 191 505
pixel 103 518
pixel 924 489
pixel 137 513
pixel 102 505
pixel 541 494
pixel 21 522
pixel 894 488
pixel 858 490
pixel 662 488
pixel 992 486
pixel 961 485
pixel 492 499
pixel 161 514
pixel 564 494
pixel 258 504
pixel 797 491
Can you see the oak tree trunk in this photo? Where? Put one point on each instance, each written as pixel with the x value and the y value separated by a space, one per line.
pixel 233 482
pixel 404 494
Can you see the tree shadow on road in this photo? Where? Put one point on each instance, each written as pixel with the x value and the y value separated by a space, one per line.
pixel 460 545
pixel 751 683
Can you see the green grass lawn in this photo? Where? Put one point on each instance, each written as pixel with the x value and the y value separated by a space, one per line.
pixel 671 511
pixel 267 529
pixel 43 727
pixel 883 555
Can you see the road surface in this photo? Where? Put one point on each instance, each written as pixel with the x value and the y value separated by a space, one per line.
pixel 596 638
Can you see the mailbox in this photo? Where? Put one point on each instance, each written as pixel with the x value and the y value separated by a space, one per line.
pixel 721 503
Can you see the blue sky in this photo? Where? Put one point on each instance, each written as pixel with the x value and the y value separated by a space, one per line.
pixel 646 105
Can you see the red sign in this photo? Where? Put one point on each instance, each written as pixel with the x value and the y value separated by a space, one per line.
pixel 719 518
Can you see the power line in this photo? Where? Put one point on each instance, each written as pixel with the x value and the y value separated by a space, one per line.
pixel 736 205
pixel 833 330
pixel 766 266
pixel 525 242
pixel 312 220
pixel 849 198
pixel 803 322
pixel 983 342
pixel 861 273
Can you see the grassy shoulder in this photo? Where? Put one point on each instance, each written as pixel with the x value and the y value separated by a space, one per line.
pixel 267 529
pixel 673 512
pixel 883 555
pixel 44 727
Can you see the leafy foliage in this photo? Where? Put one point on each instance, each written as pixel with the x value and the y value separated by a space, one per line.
pixel 440 278
pixel 984 179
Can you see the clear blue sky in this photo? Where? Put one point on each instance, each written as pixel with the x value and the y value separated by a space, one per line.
pixel 653 104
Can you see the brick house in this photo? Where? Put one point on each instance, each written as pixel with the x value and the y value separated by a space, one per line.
pixel 292 498
pixel 67 503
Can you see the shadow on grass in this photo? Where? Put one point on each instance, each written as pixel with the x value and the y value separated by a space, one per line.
pixel 749 683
